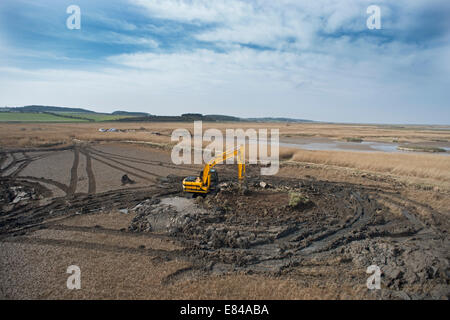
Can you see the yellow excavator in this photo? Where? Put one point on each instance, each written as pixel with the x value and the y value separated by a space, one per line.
pixel 208 179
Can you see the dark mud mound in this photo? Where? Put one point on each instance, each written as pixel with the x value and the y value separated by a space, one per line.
pixel 255 229
pixel 270 225
pixel 16 194
pixel 34 215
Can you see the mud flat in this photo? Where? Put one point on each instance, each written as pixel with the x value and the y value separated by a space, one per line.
pixel 256 231
pixel 360 145
pixel 149 240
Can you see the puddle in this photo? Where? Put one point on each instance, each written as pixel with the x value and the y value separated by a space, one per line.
pixel 364 146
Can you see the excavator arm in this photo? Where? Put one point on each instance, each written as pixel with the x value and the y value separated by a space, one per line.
pixel 202 183
pixel 222 158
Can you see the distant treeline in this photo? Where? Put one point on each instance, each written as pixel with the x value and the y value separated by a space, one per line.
pixel 187 117
pixel 41 109
pixel 128 113
pixel 138 116
pixel 69 116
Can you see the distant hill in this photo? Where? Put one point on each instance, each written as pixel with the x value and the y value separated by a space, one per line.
pixel 268 119
pixel 186 117
pixel 80 114
pixel 219 117
pixel 128 113
pixel 35 108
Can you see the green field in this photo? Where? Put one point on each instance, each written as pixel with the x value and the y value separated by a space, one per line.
pixel 97 117
pixel 57 117
pixel 34 117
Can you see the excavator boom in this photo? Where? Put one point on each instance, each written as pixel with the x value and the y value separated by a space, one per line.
pixel 202 184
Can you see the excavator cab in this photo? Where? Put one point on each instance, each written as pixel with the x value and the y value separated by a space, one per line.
pixel 209 178
pixel 214 179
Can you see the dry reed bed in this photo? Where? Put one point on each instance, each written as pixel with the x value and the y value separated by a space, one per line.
pixel 33 133
pixel 431 166
pixel 436 167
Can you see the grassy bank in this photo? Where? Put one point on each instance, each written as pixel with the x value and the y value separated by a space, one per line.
pixel 435 167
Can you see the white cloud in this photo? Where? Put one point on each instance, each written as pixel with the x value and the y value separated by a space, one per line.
pixel 112 23
pixel 262 22
pixel 203 10
pixel 242 82
pixel 314 68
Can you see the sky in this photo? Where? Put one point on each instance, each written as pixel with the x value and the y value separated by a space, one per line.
pixel 302 59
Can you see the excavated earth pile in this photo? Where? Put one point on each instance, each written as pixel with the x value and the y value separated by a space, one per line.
pixel 304 229
pixel 253 229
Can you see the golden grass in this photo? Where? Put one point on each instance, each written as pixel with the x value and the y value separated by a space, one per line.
pixel 255 287
pixel 435 167
pixel 110 275
pixel 35 271
pixel 33 134
pixel 37 135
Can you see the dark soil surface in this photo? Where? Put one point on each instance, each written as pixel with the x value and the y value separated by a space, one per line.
pixel 254 230
pixel 246 228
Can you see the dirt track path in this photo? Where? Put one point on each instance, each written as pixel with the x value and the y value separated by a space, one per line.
pixel 253 233
pixel 74 172
pixel 90 173
pixel 124 164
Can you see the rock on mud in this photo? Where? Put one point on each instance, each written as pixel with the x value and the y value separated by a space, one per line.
pixel 168 215
pixel 126 180
pixel 402 266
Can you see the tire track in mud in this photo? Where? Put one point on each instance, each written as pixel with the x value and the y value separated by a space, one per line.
pixel 323 238
pixel 20 221
pixel 393 196
pixel 21 163
pixel 25 162
pixel 139 160
pixel 124 170
pixel 364 215
pixel 3 157
pixel 57 184
pixel 345 213
pixel 390 195
pixel 71 188
pixel 103 230
pixel 11 164
pixel 318 240
pixel 191 272
pixel 74 172
pixel 127 165
pixel 413 217
pixel 38 149
pixel 92 188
